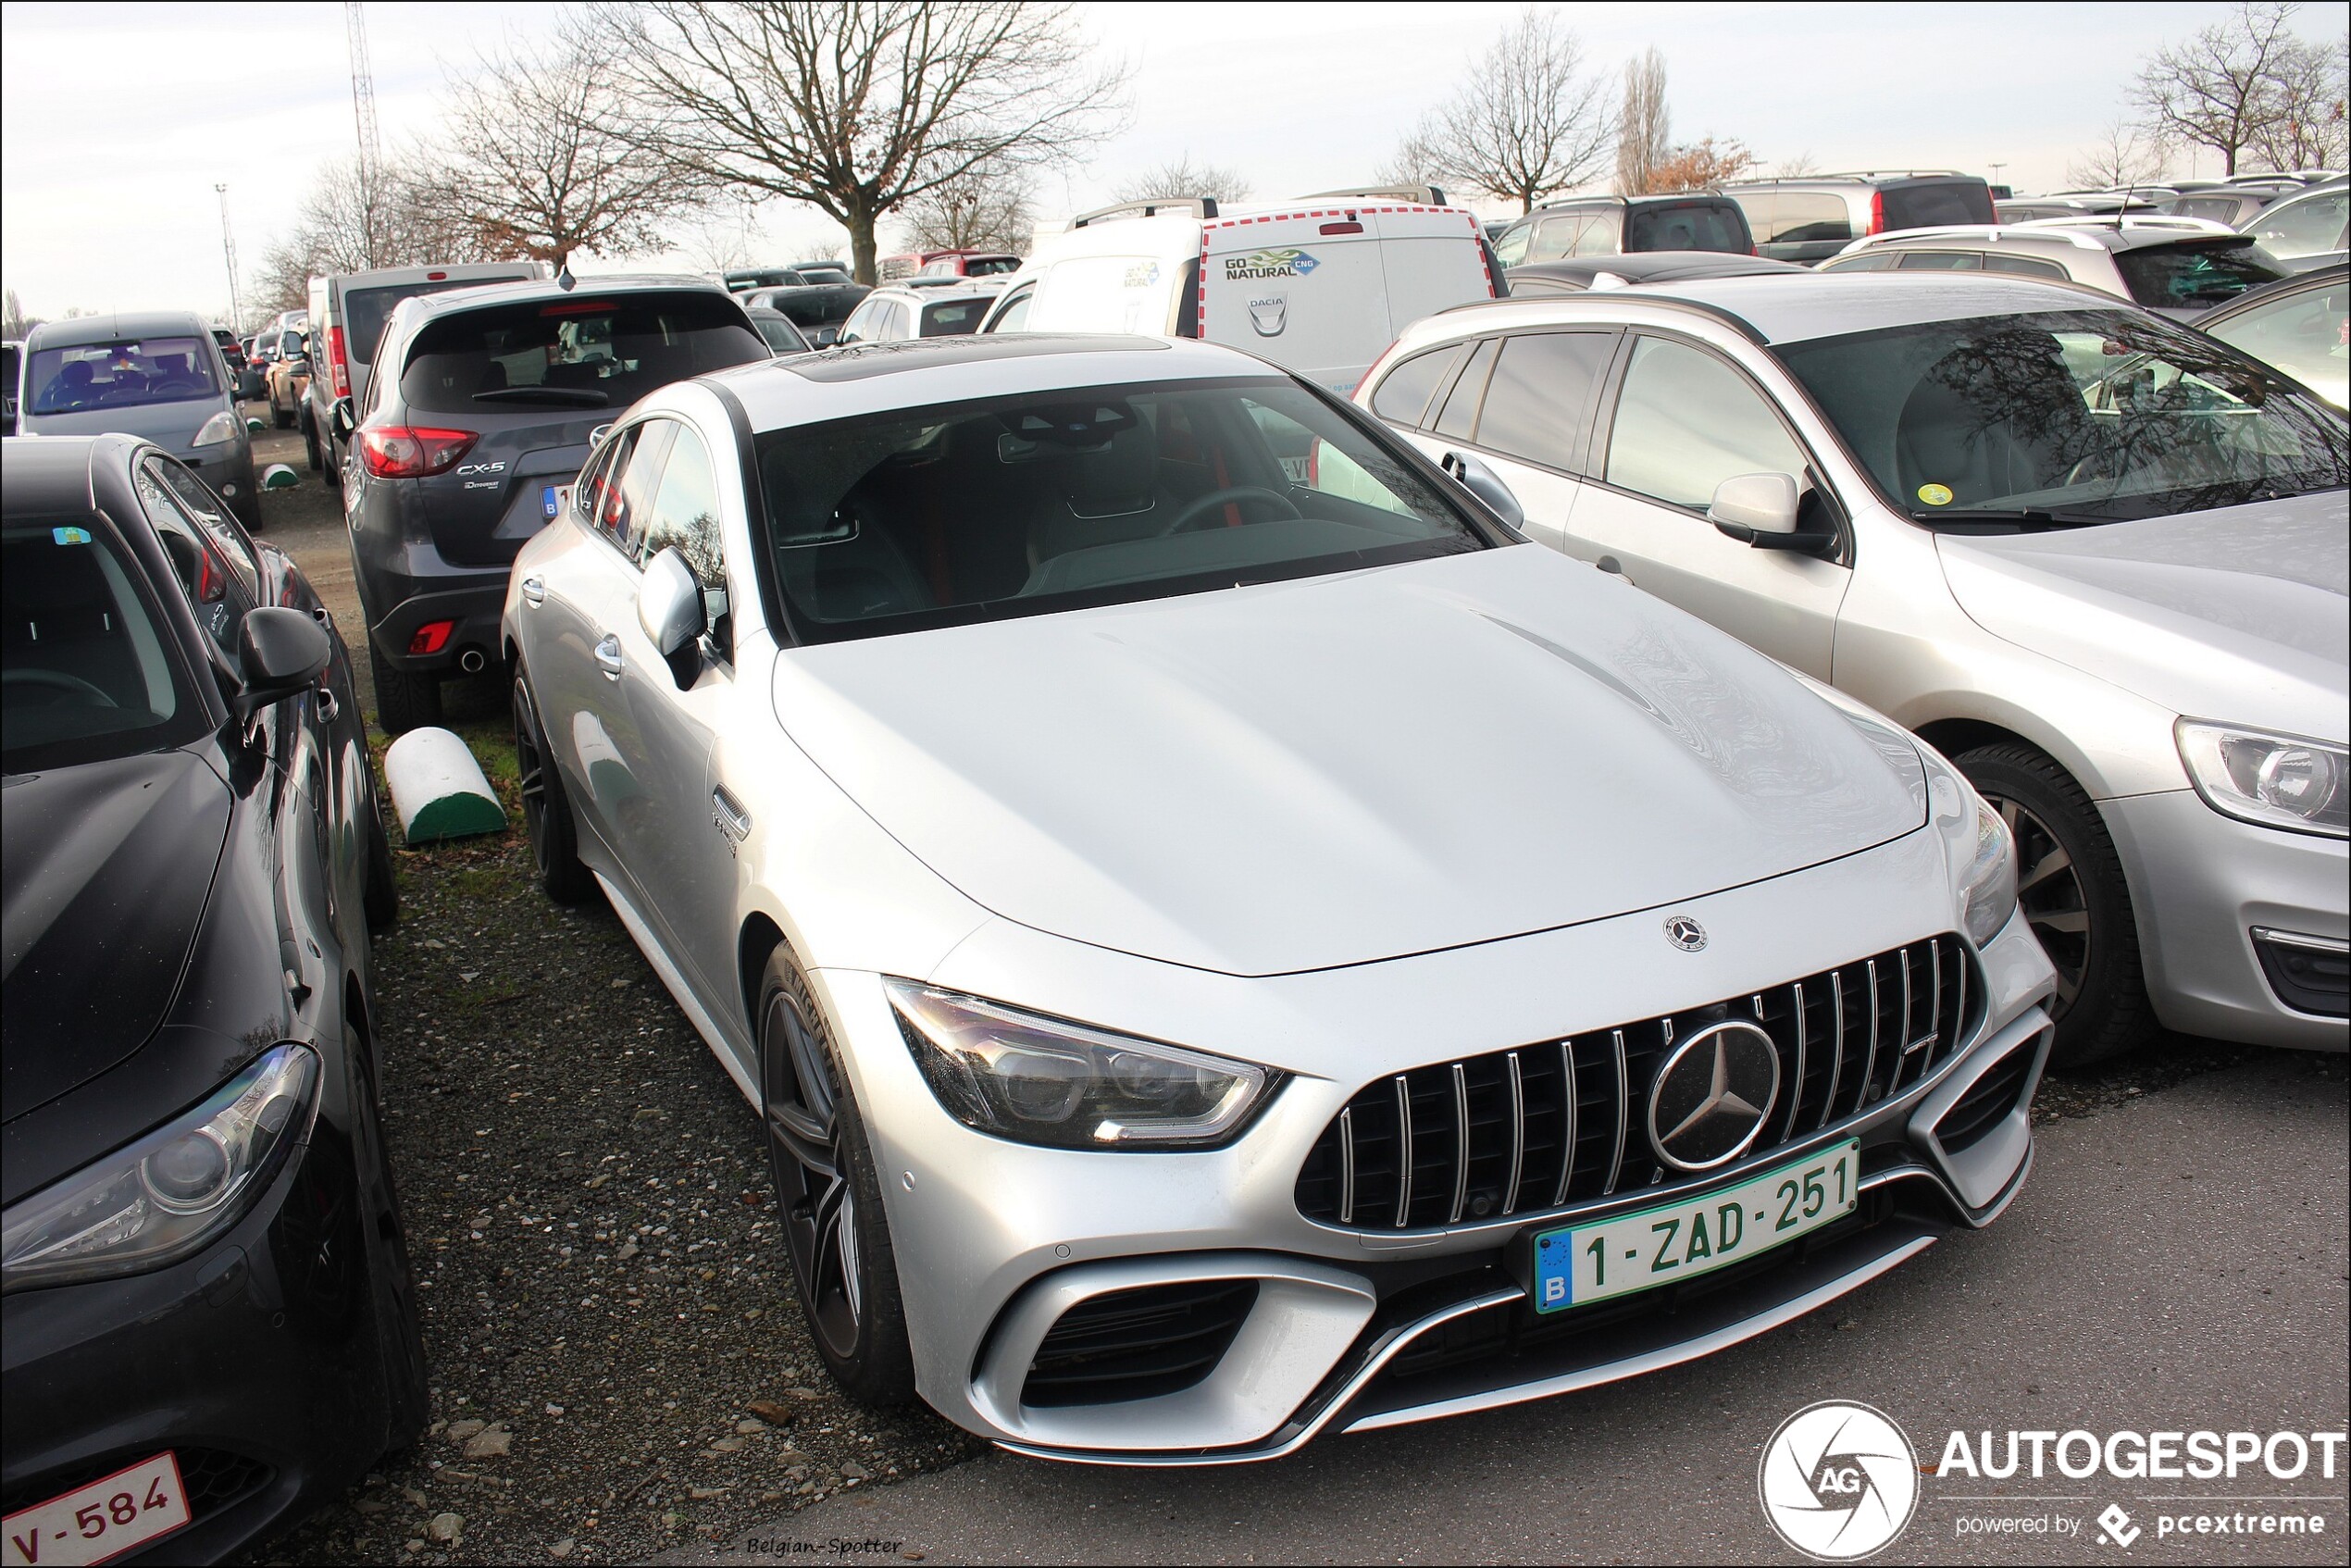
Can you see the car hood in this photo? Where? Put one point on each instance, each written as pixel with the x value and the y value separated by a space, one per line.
pixel 1287 777
pixel 2237 614
pixel 171 426
pixel 105 871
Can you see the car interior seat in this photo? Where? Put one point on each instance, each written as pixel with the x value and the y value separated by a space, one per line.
pixel 1997 417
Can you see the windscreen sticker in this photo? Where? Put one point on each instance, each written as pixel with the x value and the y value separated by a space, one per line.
pixel 70 536
pixel 1286 263
pixel 1935 494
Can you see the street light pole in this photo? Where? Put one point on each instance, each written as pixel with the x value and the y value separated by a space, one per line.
pixel 228 254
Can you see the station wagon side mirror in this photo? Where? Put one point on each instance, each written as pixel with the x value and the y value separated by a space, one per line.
pixel 1758 509
pixel 280 652
pixel 670 608
pixel 1487 485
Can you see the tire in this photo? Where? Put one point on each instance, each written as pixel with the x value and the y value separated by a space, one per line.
pixel 2071 888
pixel 329 465
pixel 310 447
pixel 282 418
pixel 828 1195
pixel 546 814
pixel 407 1397
pixel 404 701
pixel 380 902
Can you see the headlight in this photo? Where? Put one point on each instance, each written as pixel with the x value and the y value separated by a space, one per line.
pixel 1977 846
pixel 156 1201
pixel 1045 1080
pixel 2277 780
pixel 219 428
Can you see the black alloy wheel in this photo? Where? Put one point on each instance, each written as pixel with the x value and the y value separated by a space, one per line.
pixel 546 815
pixel 2071 890
pixel 829 1197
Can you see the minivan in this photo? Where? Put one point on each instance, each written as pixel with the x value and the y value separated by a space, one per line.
pixel 1319 285
pixel 1618 225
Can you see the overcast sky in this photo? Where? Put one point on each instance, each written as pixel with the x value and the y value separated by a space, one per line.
pixel 117 119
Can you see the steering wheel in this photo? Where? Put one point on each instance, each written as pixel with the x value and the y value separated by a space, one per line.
pixel 58 680
pixel 1230 492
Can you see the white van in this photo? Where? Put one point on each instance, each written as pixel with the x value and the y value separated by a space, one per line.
pixel 1320 285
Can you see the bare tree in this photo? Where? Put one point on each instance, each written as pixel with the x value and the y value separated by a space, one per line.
pixel 1643 133
pixel 2123 155
pixel 14 323
pixel 1530 121
pixel 538 160
pixel 2217 90
pixel 986 209
pixel 855 106
pixel 351 221
pixel 2305 127
pixel 1182 176
pixel 1701 165
pixel 1796 167
pixel 1414 162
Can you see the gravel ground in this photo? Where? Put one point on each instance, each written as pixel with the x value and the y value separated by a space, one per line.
pixel 619 1362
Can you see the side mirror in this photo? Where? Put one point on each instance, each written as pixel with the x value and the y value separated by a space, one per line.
pixel 280 652
pixel 1753 507
pixel 669 602
pixel 1487 485
pixel 341 420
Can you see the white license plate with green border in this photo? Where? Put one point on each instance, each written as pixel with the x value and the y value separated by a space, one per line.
pixel 1576 1265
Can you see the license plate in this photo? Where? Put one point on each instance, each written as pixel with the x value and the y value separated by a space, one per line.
pixel 552 499
pixel 1576 1265
pixel 100 1522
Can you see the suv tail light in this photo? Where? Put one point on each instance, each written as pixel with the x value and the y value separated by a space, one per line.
pixel 336 361
pixel 407 452
pixel 1877 212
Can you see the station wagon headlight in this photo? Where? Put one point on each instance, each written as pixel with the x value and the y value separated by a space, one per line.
pixel 219 428
pixel 2284 781
pixel 1045 1080
pixel 160 1198
pixel 1977 847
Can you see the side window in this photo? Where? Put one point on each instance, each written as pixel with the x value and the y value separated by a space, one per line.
pixel 1597 235
pixel 684 509
pixel 1555 237
pixel 1461 408
pixel 1686 421
pixel 1313 464
pixel 213 519
pixel 1540 392
pixel 1510 247
pixel 1404 392
pixel 627 497
pixel 1867 261
pixel 1016 313
pixel 2025 265
pixel 1943 261
pixel 2304 227
pixel 204 576
pixel 901 324
pixel 860 326
pixel 594 485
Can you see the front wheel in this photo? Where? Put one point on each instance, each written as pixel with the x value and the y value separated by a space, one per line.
pixel 2070 887
pixel 828 1194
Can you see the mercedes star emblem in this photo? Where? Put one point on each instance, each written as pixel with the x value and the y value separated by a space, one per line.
pixel 1712 1096
pixel 1685 933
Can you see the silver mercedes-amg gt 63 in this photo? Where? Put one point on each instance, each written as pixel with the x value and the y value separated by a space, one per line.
pixel 1229 941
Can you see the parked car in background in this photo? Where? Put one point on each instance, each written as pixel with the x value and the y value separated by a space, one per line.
pixel 1809 218
pixel 2096 557
pixel 2179 265
pixel 745 279
pixel 11 379
pixel 2297 324
pixel 1319 285
pixel 2305 228
pixel 156 374
pixel 232 354
pixel 347 314
pixel 782 335
pixel 1540 277
pixel 1064 841
pixel 483 416
pixel 969 264
pixel 919 308
pixel 1590 226
pixel 825 271
pixel 208 1308
pixel 2028 209
pixel 818 309
pixel 246 368
pixel 2232 206
pixel 287 381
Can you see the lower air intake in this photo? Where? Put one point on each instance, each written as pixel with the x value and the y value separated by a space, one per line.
pixel 1137 1344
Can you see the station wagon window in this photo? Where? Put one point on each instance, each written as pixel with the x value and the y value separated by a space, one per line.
pixel 1867 261
pixel 1942 261
pixel 1796 216
pixel 1510 246
pixel 1556 237
pixel 1540 392
pixel 1404 392
pixel 1685 422
pixel 1461 408
pixel 2022 266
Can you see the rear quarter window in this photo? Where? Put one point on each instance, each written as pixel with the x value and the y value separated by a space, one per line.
pixel 574 353
pixel 1403 394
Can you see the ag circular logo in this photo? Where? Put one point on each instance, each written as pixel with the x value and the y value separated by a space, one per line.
pixel 1838 1481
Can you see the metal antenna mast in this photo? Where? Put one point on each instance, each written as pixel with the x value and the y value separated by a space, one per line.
pixel 363 95
pixel 228 254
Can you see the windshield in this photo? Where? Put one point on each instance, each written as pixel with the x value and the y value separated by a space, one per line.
pixel 1021 506
pixel 574 353
pixel 2078 417
pixel 84 675
pixel 122 374
pixel 2194 277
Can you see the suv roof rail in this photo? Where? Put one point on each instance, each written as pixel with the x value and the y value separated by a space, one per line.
pixel 1425 195
pixel 1884 174
pixel 1199 206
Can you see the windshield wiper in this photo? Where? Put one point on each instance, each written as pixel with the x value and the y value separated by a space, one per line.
pixel 578 397
pixel 2020 516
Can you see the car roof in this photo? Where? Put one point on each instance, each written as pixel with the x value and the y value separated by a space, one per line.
pixel 525 291
pixel 1780 310
pixel 106 328
pixel 919 372
pixel 2084 234
pixel 48 474
pixel 933 290
pixel 1670 199
pixel 1639 267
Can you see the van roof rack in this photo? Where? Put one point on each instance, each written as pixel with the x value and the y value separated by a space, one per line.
pixel 1881 174
pixel 1425 195
pixel 1197 207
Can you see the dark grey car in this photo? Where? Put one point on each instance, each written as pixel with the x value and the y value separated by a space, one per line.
pixel 1588 226
pixel 481 410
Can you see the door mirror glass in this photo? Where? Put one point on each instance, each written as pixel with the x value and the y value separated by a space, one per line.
pixel 1749 505
pixel 669 602
pixel 1487 486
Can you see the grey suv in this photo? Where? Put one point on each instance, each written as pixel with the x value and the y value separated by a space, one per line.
pixel 1811 219
pixel 482 408
pixel 1617 225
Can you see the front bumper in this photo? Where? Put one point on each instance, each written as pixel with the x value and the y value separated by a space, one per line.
pixel 995 1241
pixel 258 1363
pixel 228 470
pixel 2202 885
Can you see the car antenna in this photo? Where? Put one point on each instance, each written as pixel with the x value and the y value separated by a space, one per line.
pixel 565 280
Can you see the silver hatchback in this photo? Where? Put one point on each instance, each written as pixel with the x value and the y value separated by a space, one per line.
pixel 2098 559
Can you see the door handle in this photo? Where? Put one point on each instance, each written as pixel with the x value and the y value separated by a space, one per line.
pixel 608 657
pixel 728 813
pixel 534 592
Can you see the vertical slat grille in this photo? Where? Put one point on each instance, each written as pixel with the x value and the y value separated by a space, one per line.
pixel 1557 1122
